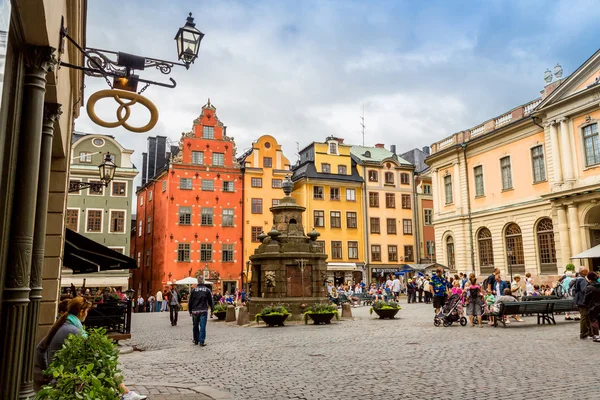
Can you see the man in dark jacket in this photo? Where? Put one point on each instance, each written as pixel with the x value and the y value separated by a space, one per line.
pixel 200 301
pixel 592 304
pixel 578 289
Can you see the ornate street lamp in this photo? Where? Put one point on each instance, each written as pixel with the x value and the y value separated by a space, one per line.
pixel 188 42
pixel 509 253
pixel 129 292
pixel 107 173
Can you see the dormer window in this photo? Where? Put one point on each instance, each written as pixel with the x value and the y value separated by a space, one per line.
pixel 333 148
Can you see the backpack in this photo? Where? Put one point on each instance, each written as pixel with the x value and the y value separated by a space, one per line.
pixel 474 293
pixel 559 291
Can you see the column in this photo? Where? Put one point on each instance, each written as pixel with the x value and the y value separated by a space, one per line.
pixel 565 150
pixel 456 188
pixel 574 228
pixel 435 191
pixel 555 153
pixel 563 234
pixel 51 114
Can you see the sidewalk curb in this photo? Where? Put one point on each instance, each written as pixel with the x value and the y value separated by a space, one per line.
pixel 204 390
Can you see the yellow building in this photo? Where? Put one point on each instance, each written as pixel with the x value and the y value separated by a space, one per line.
pixel 327 183
pixel 264 167
pixel 388 209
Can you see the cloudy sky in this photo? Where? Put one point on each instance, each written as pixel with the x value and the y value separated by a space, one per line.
pixel 303 70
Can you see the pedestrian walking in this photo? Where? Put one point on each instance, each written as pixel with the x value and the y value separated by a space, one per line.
pixel 579 290
pixel 396 288
pixel 411 290
pixel 427 290
pixel 159 300
pixel 420 284
pixel 152 303
pixel 438 286
pixel 201 301
pixel 165 299
pixel 592 304
pixel 174 302
pixel 140 303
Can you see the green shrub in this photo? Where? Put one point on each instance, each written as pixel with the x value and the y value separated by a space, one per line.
pixel 220 307
pixel 84 369
pixel 273 310
pixel 570 267
pixel 321 308
pixel 382 305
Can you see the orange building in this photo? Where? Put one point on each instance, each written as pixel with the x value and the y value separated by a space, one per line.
pixel 189 216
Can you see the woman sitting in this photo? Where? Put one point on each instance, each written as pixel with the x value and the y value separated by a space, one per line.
pixel 334 297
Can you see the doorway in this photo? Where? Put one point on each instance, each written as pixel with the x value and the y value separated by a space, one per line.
pixel 229 287
pixel 595 241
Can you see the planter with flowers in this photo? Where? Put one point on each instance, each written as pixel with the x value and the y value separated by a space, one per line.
pixel 321 314
pixel 273 316
pixel 385 310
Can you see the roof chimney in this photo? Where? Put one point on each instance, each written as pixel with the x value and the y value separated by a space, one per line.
pixel 380 146
pixel 426 150
pixel 340 140
pixel 393 148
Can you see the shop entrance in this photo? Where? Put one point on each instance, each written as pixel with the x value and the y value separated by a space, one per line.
pixel 229 287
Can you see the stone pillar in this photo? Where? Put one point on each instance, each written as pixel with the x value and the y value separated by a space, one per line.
pixel 38 61
pixel 51 114
pixel 563 234
pixel 574 233
pixel 435 191
pixel 566 151
pixel 456 188
pixel 555 153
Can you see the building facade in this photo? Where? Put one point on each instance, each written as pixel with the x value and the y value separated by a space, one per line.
pixel 189 217
pixel 387 209
pixel 520 191
pixel 101 215
pixel 327 182
pixel 264 167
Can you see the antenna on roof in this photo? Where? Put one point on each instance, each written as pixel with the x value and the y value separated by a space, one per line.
pixel 298 151
pixel 362 123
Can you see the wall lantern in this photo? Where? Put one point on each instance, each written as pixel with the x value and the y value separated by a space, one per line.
pixel 107 173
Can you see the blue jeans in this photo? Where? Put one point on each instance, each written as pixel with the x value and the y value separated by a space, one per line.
pixel 199 321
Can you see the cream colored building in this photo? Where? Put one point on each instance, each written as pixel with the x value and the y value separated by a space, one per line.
pixel 520 191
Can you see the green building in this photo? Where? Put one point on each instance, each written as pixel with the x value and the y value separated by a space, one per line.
pixel 102 215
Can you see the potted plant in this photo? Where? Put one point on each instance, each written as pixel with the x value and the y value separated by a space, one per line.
pixel 321 313
pixel 220 311
pixel 272 316
pixel 385 310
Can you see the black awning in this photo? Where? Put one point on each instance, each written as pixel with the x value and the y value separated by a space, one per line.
pixel 83 255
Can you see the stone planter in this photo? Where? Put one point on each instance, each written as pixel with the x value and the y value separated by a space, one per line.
pixel 324 318
pixel 221 315
pixel 387 313
pixel 274 320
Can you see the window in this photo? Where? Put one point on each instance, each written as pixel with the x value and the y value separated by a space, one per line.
pixel 255 232
pixel 335 219
pixel 591 145
pixel 374 223
pixel 406 203
pixel 352 250
pixel 140 228
pixel 430 248
pixel 267 162
pixel 164 186
pixel 375 252
pixel 514 249
pixel 408 253
pixel 207 216
pixel 390 200
pixel 149 224
pixel 404 178
pixel 183 252
pixel 97 188
pixel 208 185
pixel 372 176
pixel 373 199
pixel 197 157
pixel 319 218
pixel 218 159
pixel 506 173
pixel 391 226
pixel 326 168
pixel 94 221
pixel 336 249
pixel 227 253
pixel 85 157
pixel 119 189
pixel 318 192
pixel 427 216
pixel 545 236
pixel 150 195
pixel 276 183
pixel 350 195
pixel 333 148
pixel 147 257
pixel 389 178
pixel 98 142
pixel 274 202
pixel 342 170
pixel 228 217
pixel 448 188
pixel 72 219
pixel 351 219
pixel 392 253
pixel 256 206
pixel 539 168
pixel 320 244
pixel 208 132
pixel 478 172
pixel 486 251
pixel 73 187
pixel 256 182
pixel 185 215
pixel 117 221
pixel 334 193
pixel 228 186
pixel 206 252
pixel 407 226
pixel 141 201
pixel 426 189
pixel 185 183
pixel 139 258
pixel 450 252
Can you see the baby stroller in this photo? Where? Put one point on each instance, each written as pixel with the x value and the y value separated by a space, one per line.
pixel 451 312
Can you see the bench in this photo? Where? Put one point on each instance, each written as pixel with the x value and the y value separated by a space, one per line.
pixel 538 298
pixel 544 309
pixel 365 298
pixel 561 306
pixel 116 336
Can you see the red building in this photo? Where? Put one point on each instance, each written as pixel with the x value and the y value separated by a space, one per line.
pixel 189 215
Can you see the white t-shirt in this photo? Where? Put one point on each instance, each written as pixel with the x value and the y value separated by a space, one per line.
pixel 396 285
pixel 528 286
pixel 388 283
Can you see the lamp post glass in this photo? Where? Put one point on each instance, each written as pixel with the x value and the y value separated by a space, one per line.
pixel 188 41
pixel 107 169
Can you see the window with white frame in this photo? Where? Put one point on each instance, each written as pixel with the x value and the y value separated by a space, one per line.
pixel 140 228
pixel 350 194
pixel 227 253
pixel 427 216
pixel 506 173
pixel 228 186
pixel 185 215
pixel 478 173
pixel 538 164
pixel 208 185
pixel 333 148
pixel 426 189
pixel 208 132
pixel 150 195
pixel 591 145
pixel 117 221
pixel 85 157
pixel 119 188
pixel 448 188
pixel 207 216
pixel 228 217
pixel 183 252
pixel 72 219
pixel 94 221
pixel 164 186
pixel 218 159
pixel 149 225
pixel 197 157
pixel 206 252
pixel 185 183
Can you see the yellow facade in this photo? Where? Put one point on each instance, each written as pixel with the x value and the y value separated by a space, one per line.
pixel 265 167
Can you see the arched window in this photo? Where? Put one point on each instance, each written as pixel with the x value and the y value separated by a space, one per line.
pixel 545 236
pixel 486 251
pixel 450 252
pixel 514 250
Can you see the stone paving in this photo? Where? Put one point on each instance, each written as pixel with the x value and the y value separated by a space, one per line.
pixel 362 358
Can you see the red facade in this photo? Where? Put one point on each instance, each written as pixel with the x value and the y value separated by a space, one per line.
pixel 194 210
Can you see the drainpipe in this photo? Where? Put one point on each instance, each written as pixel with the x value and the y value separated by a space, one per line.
pixel 366 227
pixel 243 206
pixel 153 228
pixel 464 148
pixel 417 223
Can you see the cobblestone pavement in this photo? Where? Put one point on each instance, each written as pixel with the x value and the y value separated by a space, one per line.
pixel 362 358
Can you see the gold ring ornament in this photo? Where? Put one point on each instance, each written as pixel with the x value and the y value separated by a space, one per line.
pixel 123 111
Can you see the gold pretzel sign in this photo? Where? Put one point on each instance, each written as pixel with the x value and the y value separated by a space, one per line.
pixel 123 111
